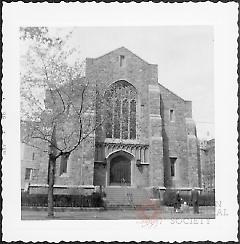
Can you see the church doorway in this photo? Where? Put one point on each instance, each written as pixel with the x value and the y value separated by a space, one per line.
pixel 120 171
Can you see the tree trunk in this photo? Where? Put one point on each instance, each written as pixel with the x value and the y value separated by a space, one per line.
pixel 51 171
pixel 51 176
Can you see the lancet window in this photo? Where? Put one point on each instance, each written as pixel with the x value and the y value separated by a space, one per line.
pixel 121 102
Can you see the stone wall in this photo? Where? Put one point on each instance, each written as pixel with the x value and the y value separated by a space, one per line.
pixel 30 158
pixel 207 156
pixel 164 128
pixel 80 168
pixel 176 141
pixel 193 154
pixel 155 134
pixel 106 70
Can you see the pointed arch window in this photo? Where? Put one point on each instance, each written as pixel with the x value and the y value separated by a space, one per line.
pixel 121 111
pixel 132 119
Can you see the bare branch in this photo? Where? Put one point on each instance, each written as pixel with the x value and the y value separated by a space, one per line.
pixel 70 100
pixel 34 146
pixel 79 138
pixel 45 139
pixel 82 96
pixel 64 107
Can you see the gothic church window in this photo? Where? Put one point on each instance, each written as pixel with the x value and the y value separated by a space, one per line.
pixel 171 115
pixel 109 116
pixel 121 60
pixel 117 116
pixel 133 119
pixel 125 113
pixel 28 173
pixel 63 163
pixel 172 166
pixel 121 111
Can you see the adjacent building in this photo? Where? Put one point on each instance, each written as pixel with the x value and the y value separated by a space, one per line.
pixel 207 155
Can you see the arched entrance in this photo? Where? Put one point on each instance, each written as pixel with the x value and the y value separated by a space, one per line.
pixel 120 170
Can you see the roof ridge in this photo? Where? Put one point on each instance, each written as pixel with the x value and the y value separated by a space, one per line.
pixel 107 53
pixel 174 93
pixel 122 47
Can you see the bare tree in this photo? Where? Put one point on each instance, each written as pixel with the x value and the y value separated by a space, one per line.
pixel 57 101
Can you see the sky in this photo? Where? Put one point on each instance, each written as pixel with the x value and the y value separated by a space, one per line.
pixel 184 55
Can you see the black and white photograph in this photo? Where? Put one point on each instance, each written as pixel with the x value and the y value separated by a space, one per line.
pixel 104 133
pixel 117 123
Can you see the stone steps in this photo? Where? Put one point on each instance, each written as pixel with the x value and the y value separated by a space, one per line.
pixel 128 196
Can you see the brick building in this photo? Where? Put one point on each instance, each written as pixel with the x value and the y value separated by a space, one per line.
pixel 148 141
pixel 207 156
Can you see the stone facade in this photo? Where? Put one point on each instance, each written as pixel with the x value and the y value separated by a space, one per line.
pixel 164 153
pixel 207 156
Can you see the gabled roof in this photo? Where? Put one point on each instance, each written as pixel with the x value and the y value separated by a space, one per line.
pixel 174 94
pixel 122 49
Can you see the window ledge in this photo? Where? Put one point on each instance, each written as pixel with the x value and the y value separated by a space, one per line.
pixel 142 164
pixel 100 161
pixel 64 175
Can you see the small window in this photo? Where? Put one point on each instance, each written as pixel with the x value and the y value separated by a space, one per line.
pixel 172 166
pixel 34 173
pixel 121 60
pixel 28 173
pixel 33 156
pixel 63 163
pixel 171 115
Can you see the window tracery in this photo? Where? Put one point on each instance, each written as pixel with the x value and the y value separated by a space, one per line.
pixel 121 111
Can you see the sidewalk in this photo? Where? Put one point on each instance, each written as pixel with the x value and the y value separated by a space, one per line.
pixel 162 213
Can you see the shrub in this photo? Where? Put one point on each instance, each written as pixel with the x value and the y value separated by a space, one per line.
pixel 205 198
pixel 41 200
pixel 169 198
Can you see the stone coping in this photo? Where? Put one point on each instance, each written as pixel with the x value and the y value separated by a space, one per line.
pixel 64 186
pixel 130 142
pixel 159 187
pixel 185 188
pixel 118 186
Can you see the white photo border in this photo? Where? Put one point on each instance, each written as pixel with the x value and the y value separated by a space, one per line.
pixel 223 17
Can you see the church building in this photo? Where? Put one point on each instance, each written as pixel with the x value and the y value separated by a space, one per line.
pixel 148 140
